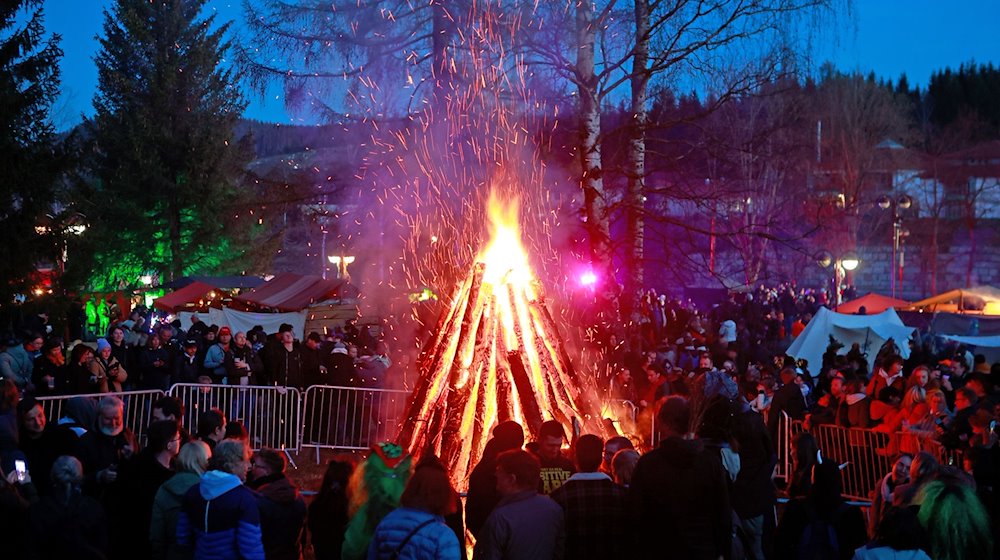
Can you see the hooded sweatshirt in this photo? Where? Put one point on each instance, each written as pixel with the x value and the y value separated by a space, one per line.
pixel 220 515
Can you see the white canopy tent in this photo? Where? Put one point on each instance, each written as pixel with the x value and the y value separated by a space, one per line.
pixel 869 331
pixel 245 320
pixel 988 346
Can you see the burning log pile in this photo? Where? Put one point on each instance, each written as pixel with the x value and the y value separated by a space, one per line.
pixel 496 355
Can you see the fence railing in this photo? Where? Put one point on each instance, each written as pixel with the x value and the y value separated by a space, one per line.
pixel 138 406
pixel 350 418
pixel 271 415
pixel 866 455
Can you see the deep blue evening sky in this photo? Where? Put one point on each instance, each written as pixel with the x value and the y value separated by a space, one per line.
pixel 891 37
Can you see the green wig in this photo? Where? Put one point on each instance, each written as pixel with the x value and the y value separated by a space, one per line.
pixel 375 491
pixel 955 520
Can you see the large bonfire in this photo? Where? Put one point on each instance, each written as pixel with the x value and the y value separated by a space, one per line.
pixel 496 355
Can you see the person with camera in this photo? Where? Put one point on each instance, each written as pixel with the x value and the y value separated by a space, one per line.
pixel 106 368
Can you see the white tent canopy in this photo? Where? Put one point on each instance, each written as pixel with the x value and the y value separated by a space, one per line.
pixel 869 331
pixel 245 320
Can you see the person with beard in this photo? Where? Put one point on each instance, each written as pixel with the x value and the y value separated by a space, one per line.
pixel 282 509
pixel 103 449
pixel 49 375
pixel 130 499
pixel 483 496
pixel 42 443
pixel 556 468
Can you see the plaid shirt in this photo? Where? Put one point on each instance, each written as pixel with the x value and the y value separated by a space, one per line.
pixel 594 507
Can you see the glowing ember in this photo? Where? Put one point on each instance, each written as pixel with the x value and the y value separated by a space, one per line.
pixel 496 356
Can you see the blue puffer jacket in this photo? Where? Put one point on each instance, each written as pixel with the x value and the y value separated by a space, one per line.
pixel 221 516
pixel 434 541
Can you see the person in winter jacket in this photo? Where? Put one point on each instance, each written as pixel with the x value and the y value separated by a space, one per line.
pixel 327 517
pixel 283 361
pixel 186 366
pixel 107 369
pixel 247 365
pixel 417 530
pixel 679 493
pixel 483 495
pixel 219 515
pixel 192 462
pixel 49 374
pixel 130 499
pixel 282 509
pixel 106 447
pixel 220 356
pixel 18 361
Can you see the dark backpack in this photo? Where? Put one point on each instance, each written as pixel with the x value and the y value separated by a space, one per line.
pixel 819 538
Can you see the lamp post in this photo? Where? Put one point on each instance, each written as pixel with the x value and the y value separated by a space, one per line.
pixel 898 233
pixel 341 263
pixel 841 266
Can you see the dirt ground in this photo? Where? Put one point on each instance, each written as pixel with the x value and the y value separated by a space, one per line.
pixel 304 471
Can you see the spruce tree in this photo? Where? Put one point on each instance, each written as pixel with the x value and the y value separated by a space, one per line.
pixel 167 187
pixel 30 159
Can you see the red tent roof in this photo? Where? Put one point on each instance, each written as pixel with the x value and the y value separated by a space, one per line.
pixel 873 303
pixel 179 299
pixel 292 292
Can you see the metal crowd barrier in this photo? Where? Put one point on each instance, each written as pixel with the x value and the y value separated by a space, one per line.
pixel 350 418
pixel 271 415
pixel 138 407
pixel 787 429
pixel 866 456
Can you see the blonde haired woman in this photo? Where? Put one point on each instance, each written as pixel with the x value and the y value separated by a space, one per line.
pixel 192 462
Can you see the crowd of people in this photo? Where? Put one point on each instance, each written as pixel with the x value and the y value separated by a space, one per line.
pixel 84 487
pixel 133 357
pixel 693 476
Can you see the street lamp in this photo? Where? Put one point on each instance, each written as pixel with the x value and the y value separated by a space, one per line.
pixel 898 233
pixel 341 264
pixel 841 266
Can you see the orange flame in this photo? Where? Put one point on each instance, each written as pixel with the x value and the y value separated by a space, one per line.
pixel 496 356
